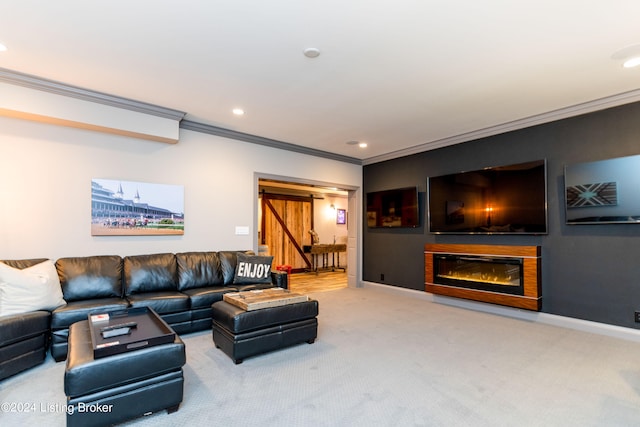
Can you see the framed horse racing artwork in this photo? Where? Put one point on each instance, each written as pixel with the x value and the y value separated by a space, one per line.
pixel 129 208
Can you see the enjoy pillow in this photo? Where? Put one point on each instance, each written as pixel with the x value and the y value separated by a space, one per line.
pixel 252 269
pixel 30 289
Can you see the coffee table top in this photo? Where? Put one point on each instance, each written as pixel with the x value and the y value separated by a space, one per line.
pixel 263 298
pixel 145 329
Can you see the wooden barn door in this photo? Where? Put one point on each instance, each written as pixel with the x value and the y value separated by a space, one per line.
pixel 286 221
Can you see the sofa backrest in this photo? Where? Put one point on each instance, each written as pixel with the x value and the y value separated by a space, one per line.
pixel 228 262
pixel 90 277
pixel 150 273
pixel 198 269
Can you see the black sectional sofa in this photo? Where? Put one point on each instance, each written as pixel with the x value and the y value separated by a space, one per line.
pixel 180 287
pixel 24 338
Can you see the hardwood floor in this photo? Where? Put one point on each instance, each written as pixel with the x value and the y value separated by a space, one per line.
pixel 304 283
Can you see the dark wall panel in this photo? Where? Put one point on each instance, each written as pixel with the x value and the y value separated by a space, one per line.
pixel 589 272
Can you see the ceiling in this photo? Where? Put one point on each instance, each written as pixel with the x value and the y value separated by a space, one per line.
pixel 401 76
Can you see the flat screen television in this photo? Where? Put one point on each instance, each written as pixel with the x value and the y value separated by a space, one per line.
pixel 393 208
pixel 509 199
pixel 603 192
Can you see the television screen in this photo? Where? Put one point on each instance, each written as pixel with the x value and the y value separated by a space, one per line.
pixel 393 208
pixel 510 199
pixel 603 192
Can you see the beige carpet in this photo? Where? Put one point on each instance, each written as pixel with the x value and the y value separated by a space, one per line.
pixel 391 360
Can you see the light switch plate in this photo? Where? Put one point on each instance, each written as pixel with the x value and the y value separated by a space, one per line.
pixel 242 230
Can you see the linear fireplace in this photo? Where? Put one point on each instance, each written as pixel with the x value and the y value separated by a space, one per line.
pixel 496 274
pixel 506 275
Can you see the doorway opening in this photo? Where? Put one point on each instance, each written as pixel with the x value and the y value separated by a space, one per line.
pixel 296 217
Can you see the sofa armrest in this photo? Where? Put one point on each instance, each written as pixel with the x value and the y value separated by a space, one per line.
pixel 280 279
pixel 20 327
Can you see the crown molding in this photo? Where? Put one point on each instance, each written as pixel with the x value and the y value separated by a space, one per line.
pixel 50 86
pixel 551 116
pixel 272 143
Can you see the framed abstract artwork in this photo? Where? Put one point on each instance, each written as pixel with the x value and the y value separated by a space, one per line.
pixel 603 191
pixel 597 194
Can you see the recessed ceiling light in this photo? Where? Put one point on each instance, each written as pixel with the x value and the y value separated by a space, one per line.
pixel 629 56
pixel 238 111
pixel 2 47
pixel 311 52
pixel 358 143
pixel 632 62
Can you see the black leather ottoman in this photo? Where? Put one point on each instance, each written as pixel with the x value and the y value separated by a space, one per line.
pixel 116 388
pixel 241 334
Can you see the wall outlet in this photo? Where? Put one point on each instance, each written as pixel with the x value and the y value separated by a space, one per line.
pixel 637 316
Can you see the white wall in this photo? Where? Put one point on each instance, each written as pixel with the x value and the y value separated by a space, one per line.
pixel 45 187
pixel 325 219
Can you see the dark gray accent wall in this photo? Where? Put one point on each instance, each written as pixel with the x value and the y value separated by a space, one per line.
pixel 589 272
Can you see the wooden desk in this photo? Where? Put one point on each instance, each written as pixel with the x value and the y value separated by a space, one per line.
pixel 324 250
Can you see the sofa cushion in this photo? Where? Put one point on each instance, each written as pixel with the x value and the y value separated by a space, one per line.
pixel 161 302
pixel 198 270
pixel 251 269
pixel 150 273
pixel 29 289
pixel 76 311
pixel 204 297
pixel 91 277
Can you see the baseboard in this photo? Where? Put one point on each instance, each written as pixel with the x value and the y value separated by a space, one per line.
pixel 621 332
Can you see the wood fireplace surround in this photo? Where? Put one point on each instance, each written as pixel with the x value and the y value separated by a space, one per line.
pixel 498 274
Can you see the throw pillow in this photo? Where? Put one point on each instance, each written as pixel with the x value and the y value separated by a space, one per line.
pixel 29 289
pixel 252 269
